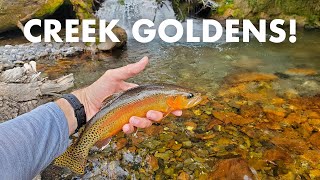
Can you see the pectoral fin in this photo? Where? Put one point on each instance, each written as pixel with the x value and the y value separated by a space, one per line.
pixel 103 143
pixel 169 110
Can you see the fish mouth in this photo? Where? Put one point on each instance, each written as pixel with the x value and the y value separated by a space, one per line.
pixel 195 100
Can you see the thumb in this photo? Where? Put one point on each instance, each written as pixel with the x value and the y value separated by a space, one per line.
pixel 130 70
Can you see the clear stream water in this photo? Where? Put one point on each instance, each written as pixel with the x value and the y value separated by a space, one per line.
pixel 199 65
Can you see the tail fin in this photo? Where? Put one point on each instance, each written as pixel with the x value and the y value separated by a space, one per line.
pixel 76 162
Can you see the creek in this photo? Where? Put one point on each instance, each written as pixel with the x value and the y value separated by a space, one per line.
pixel 262 119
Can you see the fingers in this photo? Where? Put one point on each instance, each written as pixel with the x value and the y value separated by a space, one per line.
pixel 129 70
pixel 154 115
pixel 128 128
pixel 177 112
pixel 140 122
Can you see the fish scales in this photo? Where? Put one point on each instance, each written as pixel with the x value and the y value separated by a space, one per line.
pixel 117 112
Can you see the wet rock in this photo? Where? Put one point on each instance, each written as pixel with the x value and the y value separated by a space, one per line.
pixel 213 123
pixel 289 175
pixel 315 139
pixel 251 111
pixel 277 154
pixel 114 171
pixel 165 137
pixel 311 85
pixel 269 125
pixel 291 93
pixel 236 168
pixel 176 147
pixel 128 157
pixel 154 130
pixel 278 111
pixel 165 156
pixel 121 143
pixel 296 145
pixel 132 149
pixel 315 122
pixel 230 117
pixel 281 75
pixel 314 174
pixel 152 163
pixel 151 144
pixel 295 118
pixel 246 63
pixel 190 125
pixel 169 171
pixel 183 176
pixel 312 156
pixel 301 72
pixel 187 144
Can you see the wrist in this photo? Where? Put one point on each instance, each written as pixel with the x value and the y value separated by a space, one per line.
pixel 69 114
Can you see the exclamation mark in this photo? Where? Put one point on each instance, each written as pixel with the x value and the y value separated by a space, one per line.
pixel 292 37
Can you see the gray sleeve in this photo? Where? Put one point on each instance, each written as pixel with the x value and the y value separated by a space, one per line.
pixel 30 142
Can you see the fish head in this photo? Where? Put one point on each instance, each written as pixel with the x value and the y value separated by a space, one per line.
pixel 184 100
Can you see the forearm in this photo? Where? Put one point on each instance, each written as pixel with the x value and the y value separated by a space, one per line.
pixel 31 141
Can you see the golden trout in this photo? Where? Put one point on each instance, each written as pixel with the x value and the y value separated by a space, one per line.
pixel 116 113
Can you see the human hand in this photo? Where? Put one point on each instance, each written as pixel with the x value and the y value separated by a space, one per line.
pixel 111 82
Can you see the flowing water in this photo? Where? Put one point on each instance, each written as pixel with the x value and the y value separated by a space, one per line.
pixel 262 119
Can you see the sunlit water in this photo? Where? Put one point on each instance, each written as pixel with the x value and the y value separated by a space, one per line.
pixel 206 67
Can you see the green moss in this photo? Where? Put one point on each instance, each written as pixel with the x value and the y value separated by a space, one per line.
pixel 121 2
pixel 83 8
pixel 238 14
pixel 223 8
pixel 181 9
pixel 49 8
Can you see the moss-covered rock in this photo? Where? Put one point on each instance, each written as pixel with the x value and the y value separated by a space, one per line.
pixel 48 8
pixel 307 13
pixel 13 13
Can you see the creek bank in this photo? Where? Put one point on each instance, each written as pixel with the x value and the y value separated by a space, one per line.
pixel 35 51
pixel 54 50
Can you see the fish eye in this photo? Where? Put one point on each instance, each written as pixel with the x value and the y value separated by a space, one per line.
pixel 189 96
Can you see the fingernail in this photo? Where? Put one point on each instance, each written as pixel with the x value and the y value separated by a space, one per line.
pixel 134 121
pixel 152 115
pixel 125 128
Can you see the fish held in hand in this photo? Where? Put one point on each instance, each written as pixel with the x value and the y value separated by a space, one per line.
pixel 117 112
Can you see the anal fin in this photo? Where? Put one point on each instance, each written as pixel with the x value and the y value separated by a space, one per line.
pixel 103 143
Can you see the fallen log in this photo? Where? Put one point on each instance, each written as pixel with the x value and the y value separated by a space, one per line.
pixel 22 89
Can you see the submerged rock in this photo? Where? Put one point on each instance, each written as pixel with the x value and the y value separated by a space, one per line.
pixel 249 77
pixel 301 72
pixel 236 168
